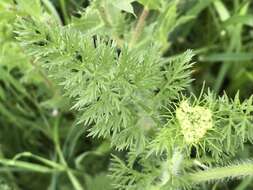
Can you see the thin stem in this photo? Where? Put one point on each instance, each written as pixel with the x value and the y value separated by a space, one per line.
pixel 232 171
pixel 52 10
pixel 44 76
pixel 222 74
pixel 57 141
pixel 105 17
pixel 139 26
pixel 64 11
pixel 26 166
pixel 72 178
pixel 74 181
pixel 244 184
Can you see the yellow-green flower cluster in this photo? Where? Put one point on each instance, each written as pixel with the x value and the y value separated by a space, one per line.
pixel 194 121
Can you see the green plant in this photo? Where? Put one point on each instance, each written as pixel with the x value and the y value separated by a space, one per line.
pixel 127 93
pixel 223 46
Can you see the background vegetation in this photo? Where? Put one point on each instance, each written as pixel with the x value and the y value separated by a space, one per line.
pixel 42 144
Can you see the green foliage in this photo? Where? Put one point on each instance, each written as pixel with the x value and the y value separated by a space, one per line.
pixel 104 101
pixel 26 5
pixel 151 4
pixel 113 97
pixel 124 5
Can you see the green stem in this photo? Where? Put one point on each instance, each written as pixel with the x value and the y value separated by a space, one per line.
pixel 222 74
pixel 26 166
pixel 74 181
pixel 139 26
pixel 106 18
pixel 244 184
pixel 72 178
pixel 232 171
pixel 52 10
pixel 64 11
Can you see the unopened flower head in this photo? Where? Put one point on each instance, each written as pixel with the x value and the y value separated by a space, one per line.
pixel 194 121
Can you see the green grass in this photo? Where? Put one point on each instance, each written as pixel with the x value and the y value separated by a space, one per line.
pixel 43 146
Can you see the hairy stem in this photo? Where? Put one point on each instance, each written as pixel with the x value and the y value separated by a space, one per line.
pixel 242 170
pixel 105 17
pixel 139 26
